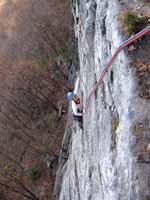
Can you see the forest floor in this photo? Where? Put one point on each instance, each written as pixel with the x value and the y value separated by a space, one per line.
pixel 34 38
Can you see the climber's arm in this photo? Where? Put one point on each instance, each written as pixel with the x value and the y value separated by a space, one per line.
pixel 76 86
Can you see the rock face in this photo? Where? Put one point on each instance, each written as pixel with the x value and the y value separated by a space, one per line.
pixel 109 159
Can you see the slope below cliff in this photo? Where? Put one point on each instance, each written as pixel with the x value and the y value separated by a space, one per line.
pixel 34 38
pixel 109 159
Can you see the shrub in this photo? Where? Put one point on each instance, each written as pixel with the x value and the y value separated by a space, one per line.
pixel 34 173
pixel 61 50
pixel 147 197
pixel 44 62
pixel 132 22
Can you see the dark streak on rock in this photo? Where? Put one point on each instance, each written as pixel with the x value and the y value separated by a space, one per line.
pixel 77 181
pixel 104 95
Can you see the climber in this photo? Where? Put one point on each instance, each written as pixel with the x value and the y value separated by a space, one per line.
pixel 75 102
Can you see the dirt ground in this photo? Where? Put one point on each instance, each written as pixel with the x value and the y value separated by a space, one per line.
pixel 34 36
pixel 23 27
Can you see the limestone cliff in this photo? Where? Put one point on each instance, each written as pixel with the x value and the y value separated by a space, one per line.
pixel 109 159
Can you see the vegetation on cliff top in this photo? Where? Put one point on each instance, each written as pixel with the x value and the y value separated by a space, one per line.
pixel 132 22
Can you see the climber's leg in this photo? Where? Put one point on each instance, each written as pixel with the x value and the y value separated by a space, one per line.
pixel 79 119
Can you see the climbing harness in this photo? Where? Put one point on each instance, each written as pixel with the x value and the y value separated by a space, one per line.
pixel 122 46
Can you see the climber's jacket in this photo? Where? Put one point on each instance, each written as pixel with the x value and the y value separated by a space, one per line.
pixel 76 102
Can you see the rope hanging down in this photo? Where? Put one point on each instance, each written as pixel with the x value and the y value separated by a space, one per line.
pixel 122 46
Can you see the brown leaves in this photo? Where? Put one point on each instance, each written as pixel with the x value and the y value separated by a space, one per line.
pixel 131 48
pixel 141 67
pixel 143 73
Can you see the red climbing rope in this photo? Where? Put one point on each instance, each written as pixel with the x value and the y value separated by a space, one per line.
pixel 122 46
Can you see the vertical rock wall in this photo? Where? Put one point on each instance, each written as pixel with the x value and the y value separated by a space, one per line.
pixel 108 159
